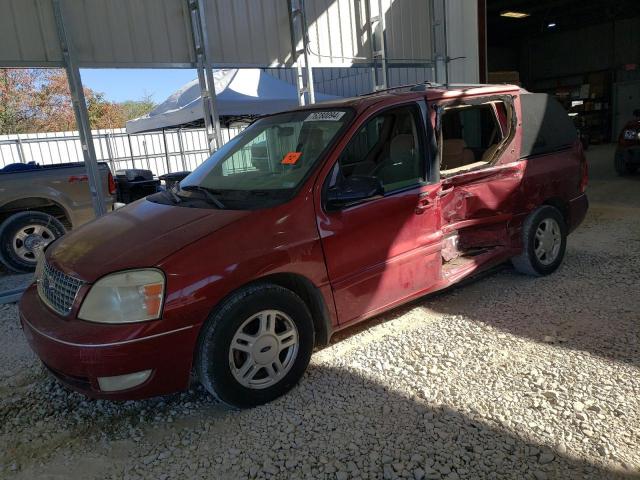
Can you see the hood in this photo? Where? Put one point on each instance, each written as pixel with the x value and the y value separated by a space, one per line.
pixel 136 236
pixel 632 125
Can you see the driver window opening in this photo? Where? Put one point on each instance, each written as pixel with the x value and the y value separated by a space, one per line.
pixel 389 148
pixel 472 135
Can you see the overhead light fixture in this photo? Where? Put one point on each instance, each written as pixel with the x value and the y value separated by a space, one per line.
pixel 552 25
pixel 512 14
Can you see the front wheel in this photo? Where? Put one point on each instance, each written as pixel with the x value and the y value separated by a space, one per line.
pixel 544 237
pixel 256 346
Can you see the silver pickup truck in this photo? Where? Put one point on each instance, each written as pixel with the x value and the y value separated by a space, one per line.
pixel 40 203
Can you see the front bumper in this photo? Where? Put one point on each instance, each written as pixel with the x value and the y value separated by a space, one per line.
pixel 79 352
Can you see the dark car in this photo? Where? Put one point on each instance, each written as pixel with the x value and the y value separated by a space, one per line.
pixel 627 159
pixel 349 209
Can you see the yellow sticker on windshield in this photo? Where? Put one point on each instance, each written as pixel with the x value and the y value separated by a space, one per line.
pixel 291 158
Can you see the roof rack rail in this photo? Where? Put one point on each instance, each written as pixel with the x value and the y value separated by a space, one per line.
pixel 422 87
pixel 399 87
pixel 414 87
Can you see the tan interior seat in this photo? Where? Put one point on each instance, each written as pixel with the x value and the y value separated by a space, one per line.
pixel 401 165
pixel 455 154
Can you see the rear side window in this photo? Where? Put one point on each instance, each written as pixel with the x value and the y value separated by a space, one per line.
pixel 546 126
pixel 471 134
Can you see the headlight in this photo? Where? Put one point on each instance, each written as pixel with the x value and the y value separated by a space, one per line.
pixel 125 297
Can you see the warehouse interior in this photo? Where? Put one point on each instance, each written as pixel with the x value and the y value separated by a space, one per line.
pixel 429 278
pixel 587 54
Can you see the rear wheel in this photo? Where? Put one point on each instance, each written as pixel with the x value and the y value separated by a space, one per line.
pixel 256 346
pixel 22 234
pixel 544 237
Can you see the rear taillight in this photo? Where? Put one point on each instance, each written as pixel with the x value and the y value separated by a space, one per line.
pixel 584 177
pixel 112 185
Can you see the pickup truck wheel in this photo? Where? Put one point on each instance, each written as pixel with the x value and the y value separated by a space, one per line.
pixel 255 347
pixel 544 236
pixel 22 233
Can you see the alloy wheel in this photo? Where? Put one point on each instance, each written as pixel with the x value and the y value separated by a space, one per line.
pixel 263 349
pixel 548 241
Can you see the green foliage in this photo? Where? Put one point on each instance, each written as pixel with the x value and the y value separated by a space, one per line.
pixel 38 100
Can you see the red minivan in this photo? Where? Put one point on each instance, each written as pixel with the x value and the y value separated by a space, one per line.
pixel 308 222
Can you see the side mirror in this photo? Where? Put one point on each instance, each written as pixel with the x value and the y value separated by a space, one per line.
pixel 352 190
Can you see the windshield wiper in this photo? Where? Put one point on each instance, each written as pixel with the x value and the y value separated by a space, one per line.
pixel 209 194
pixel 176 199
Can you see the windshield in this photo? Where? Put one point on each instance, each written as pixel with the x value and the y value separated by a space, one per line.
pixel 272 156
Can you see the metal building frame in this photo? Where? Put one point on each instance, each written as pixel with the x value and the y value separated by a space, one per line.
pixel 204 66
pixel 81 113
pixel 205 71
pixel 377 29
pixel 190 43
pixel 304 71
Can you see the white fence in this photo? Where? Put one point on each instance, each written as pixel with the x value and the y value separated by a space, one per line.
pixel 161 152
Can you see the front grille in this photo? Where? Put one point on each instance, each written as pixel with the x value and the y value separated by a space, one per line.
pixel 57 289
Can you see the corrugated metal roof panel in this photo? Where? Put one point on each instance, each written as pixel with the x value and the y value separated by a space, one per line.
pixel 408 31
pixel 28 33
pixel 129 32
pixel 249 32
pixel 154 33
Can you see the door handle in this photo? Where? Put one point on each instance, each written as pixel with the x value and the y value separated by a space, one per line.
pixel 424 204
pixel 444 192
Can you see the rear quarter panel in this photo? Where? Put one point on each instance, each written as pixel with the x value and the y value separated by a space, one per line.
pixel 555 175
pixel 553 179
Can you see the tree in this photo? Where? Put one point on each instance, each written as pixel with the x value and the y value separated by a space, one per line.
pixel 138 108
pixel 38 100
pixel 18 98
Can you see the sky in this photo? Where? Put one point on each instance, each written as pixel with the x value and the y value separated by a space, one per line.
pixel 119 84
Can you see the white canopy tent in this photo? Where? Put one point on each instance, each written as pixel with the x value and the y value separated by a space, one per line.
pixel 239 92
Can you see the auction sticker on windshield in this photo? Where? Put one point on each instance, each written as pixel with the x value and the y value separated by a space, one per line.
pixel 325 116
pixel 291 158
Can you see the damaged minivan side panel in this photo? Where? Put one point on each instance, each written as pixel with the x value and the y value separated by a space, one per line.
pixel 479 197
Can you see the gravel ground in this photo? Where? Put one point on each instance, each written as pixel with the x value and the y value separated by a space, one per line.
pixel 9 281
pixel 505 377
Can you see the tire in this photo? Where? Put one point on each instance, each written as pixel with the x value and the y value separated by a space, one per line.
pixel 549 221
pixel 219 366
pixel 23 231
pixel 623 168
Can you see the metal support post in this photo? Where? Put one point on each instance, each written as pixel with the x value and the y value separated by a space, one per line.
pixel 20 150
pixel 300 84
pixel 382 53
pixel 377 34
pixel 181 145
pixel 110 152
pixel 166 151
pixel 205 72
pixel 305 45
pixel 81 113
pixel 304 70
pixel 133 160
pixel 439 40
